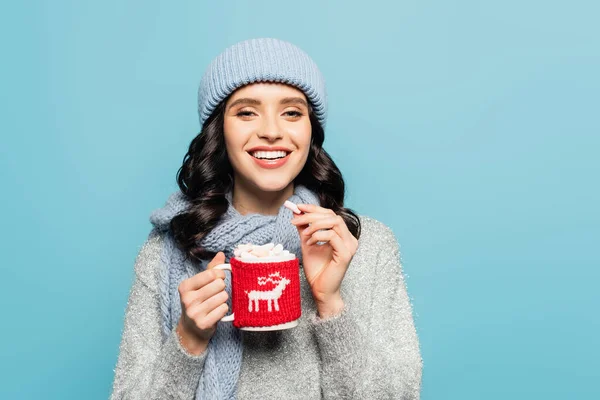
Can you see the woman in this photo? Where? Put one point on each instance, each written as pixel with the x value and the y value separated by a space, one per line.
pixel 263 107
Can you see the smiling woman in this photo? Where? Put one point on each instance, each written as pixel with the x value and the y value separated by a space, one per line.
pixel 234 154
pixel 262 106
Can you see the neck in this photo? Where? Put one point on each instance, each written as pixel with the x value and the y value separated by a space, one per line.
pixel 247 200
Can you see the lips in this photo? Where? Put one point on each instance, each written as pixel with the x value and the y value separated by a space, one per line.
pixel 268 148
pixel 271 164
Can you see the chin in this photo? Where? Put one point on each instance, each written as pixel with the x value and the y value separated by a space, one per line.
pixel 273 184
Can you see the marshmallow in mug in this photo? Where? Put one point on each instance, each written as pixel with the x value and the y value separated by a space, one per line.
pixel 262 253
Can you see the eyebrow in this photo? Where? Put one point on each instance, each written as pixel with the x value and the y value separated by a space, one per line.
pixel 255 102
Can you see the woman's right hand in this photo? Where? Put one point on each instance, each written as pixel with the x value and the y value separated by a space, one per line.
pixel 203 304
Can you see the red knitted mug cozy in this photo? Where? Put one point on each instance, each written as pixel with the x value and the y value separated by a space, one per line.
pixel 265 293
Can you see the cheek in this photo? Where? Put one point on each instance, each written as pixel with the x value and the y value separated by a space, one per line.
pixel 302 135
pixel 235 135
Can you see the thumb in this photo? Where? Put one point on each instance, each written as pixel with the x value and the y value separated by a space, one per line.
pixel 219 258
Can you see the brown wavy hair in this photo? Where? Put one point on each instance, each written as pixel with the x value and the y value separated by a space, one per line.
pixel 207 175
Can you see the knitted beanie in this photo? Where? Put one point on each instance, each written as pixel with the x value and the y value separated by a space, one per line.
pixel 261 60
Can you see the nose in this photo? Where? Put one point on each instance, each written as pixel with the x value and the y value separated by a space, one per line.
pixel 270 130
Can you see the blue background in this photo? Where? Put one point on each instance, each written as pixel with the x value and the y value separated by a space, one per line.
pixel 471 129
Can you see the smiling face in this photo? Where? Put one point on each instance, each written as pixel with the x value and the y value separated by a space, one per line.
pixel 267 135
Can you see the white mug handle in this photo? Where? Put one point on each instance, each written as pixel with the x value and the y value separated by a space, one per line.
pixel 227 318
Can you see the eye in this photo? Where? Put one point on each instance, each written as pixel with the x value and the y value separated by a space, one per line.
pixel 294 113
pixel 244 113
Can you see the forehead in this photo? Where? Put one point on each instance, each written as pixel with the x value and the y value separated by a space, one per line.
pixel 266 91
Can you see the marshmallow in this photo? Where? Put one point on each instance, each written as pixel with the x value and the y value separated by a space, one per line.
pixel 245 254
pixel 292 207
pixel 268 252
pixel 277 249
pixel 260 252
pixel 242 248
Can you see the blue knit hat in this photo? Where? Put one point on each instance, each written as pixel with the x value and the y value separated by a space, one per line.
pixel 261 60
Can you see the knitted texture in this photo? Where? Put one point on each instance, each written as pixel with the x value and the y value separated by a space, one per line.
pixel 261 60
pixel 265 294
pixel 224 352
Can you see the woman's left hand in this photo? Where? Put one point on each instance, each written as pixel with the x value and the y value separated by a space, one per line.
pixel 325 265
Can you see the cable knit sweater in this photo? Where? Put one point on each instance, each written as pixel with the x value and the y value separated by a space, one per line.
pixel 369 351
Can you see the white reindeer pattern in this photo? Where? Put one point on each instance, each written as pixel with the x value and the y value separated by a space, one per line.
pixel 272 295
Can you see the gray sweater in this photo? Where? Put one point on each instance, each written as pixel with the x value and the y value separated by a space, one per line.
pixel 369 351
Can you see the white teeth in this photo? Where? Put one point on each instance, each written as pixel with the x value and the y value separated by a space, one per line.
pixel 269 154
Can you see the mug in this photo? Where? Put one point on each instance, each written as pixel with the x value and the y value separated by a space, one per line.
pixel 265 295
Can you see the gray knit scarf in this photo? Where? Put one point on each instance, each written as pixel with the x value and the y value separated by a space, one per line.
pixel 224 353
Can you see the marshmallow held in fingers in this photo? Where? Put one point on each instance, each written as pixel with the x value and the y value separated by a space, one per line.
pixel 292 207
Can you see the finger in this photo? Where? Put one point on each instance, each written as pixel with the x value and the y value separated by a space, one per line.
pixel 205 292
pixel 209 320
pixel 306 219
pixel 215 315
pixel 344 232
pixel 321 236
pixel 333 239
pixel 208 291
pixel 338 224
pixel 311 208
pixel 335 223
pixel 219 258
pixel 199 310
pixel 200 280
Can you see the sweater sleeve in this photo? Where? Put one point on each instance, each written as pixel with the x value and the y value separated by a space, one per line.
pixel 148 368
pixel 376 355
